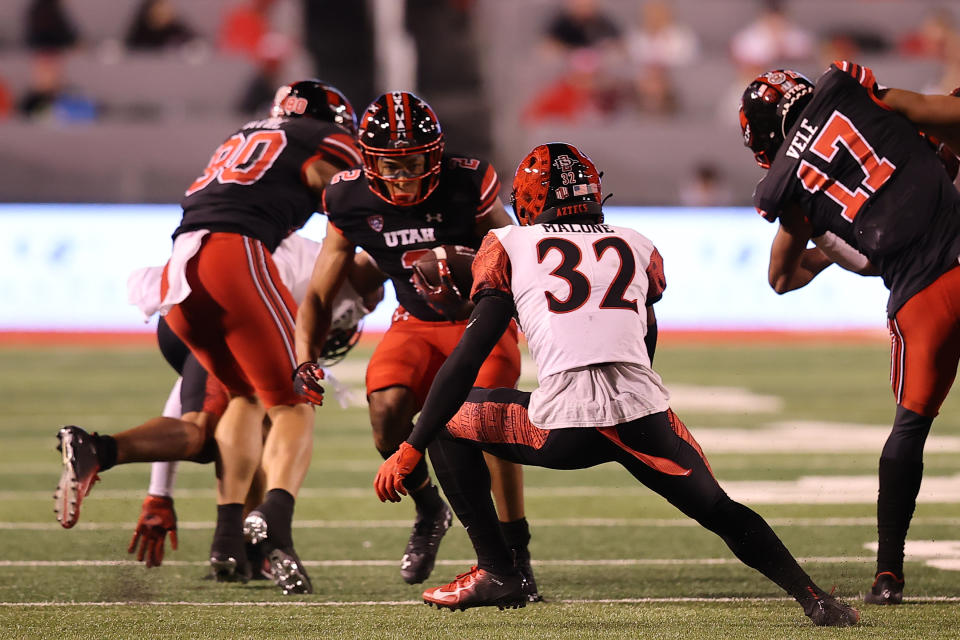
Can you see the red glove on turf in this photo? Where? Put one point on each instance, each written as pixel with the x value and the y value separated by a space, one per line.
pixel 306 382
pixel 394 470
pixel 157 517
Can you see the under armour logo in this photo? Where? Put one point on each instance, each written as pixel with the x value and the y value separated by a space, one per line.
pixel 434 217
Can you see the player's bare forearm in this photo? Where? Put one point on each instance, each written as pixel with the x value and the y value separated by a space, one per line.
pixel 937 115
pixel 812 262
pixel 490 318
pixel 314 315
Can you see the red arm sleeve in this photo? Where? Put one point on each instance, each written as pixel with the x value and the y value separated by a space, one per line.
pixel 657 280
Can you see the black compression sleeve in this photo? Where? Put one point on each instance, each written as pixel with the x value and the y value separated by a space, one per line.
pixel 650 340
pixel 490 318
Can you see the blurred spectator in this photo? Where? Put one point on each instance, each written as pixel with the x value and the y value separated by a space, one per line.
pixel 48 98
pixel 582 91
pixel 933 36
pixel 6 100
pixel 156 26
pixel 49 27
pixel 771 38
pixel 244 26
pixel 659 40
pixel 581 24
pixel 654 92
pixel 706 188
pixel 257 97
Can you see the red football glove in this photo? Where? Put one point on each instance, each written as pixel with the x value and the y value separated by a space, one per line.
pixel 306 382
pixel 444 298
pixel 157 517
pixel 394 470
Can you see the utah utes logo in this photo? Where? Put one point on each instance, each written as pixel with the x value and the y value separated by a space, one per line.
pixel 376 222
pixel 294 104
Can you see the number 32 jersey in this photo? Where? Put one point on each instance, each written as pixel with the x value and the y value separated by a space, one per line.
pixel 580 292
pixel 862 171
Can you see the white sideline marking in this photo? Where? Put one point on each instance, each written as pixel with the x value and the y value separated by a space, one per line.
pixel 600 562
pixel 539 522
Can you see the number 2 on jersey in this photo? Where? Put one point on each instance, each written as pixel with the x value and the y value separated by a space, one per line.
pixel 242 159
pixel 579 283
pixel 839 130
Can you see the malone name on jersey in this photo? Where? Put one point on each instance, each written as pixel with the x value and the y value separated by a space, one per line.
pixel 576 227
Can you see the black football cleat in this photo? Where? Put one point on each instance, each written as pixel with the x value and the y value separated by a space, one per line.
pixel 887 588
pixel 80 467
pixel 521 560
pixel 288 572
pixel 827 611
pixel 479 588
pixel 227 568
pixel 421 552
pixel 283 566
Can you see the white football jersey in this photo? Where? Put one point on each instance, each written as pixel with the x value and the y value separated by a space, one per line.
pixel 581 292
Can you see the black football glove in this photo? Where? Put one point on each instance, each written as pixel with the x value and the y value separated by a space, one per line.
pixel 306 382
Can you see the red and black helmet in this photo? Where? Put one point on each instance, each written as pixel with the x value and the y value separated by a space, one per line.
pixel 314 99
pixel 398 125
pixel 555 180
pixel 771 105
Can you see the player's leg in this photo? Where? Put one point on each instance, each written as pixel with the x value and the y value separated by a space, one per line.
pixel 391 418
pixel 501 369
pixel 260 316
pixel 660 452
pixel 925 349
pixel 398 377
pixel 495 580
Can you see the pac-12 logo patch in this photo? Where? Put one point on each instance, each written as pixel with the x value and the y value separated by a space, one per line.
pixel 375 222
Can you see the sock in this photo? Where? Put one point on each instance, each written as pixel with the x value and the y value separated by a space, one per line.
pixel 899 485
pixel 228 535
pixel 427 499
pixel 516 533
pixel 106 448
pixel 277 509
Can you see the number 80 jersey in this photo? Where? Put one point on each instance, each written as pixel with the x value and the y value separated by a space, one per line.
pixel 580 290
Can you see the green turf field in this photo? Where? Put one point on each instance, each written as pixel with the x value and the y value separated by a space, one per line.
pixel 793 432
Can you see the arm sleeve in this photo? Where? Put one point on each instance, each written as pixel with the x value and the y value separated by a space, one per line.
pixel 490 318
pixel 656 278
pixel 842 253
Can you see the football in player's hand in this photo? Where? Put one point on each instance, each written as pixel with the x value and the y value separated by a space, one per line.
pixel 443 278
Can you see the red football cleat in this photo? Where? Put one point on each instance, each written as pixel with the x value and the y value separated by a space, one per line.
pixel 479 588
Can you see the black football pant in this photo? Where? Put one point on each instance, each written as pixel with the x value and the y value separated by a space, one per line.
pixel 656 449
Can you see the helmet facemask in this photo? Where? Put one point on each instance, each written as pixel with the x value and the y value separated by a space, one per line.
pixel 402 146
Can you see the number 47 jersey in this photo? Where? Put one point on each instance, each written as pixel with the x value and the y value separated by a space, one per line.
pixel 863 172
pixel 581 292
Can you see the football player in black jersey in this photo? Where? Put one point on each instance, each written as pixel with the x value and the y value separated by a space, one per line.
pixel 841 160
pixel 409 197
pixel 224 298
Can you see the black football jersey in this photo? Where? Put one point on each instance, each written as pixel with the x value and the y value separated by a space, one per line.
pixel 862 171
pixel 253 184
pixel 397 236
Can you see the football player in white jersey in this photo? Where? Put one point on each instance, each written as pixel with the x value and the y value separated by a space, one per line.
pixel 583 292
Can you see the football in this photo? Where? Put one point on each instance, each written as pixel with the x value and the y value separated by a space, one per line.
pixel 443 278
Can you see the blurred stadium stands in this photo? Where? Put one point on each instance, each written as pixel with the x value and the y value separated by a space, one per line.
pixel 160 115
